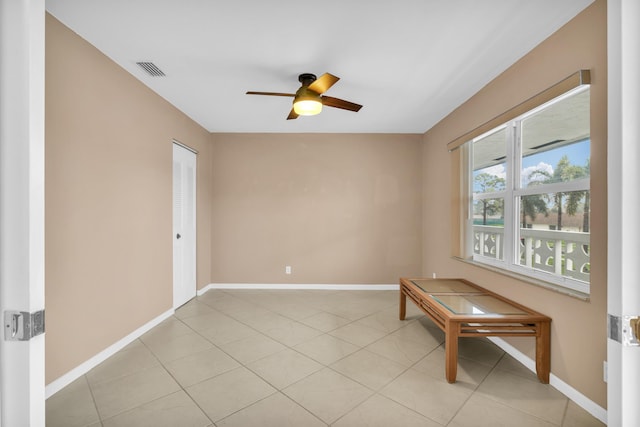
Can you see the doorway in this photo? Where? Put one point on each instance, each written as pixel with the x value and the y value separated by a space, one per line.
pixel 184 224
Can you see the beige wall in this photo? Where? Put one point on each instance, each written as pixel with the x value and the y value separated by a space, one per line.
pixel 578 345
pixel 338 208
pixel 108 201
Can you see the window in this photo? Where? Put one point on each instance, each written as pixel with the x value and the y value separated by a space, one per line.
pixel 529 185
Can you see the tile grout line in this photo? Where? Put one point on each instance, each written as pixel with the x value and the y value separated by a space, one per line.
pixel 279 390
pixel 161 363
pixel 100 416
pixel 564 413
pixel 93 398
pixel 493 368
pixel 176 380
pixel 324 366
pixel 241 364
pixel 329 366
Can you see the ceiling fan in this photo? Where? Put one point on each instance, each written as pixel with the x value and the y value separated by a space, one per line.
pixel 309 99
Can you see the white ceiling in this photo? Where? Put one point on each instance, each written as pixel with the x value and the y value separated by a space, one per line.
pixel 409 62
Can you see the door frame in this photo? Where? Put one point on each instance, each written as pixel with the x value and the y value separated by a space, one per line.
pixel 180 146
pixel 22 76
pixel 623 273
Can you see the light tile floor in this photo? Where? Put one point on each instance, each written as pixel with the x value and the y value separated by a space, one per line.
pixel 306 358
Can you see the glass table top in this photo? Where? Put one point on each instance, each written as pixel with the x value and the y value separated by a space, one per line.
pixel 476 304
pixel 435 286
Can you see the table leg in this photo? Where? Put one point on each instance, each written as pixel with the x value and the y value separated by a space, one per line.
pixel 451 352
pixel 543 351
pixel 403 304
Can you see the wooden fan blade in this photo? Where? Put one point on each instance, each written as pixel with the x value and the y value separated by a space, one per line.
pixel 271 93
pixel 340 103
pixel 292 115
pixel 322 84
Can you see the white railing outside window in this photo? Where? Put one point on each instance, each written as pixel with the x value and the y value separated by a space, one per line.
pixel 562 253
pixel 488 241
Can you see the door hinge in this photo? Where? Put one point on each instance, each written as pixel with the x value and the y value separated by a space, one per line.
pixel 22 325
pixel 624 329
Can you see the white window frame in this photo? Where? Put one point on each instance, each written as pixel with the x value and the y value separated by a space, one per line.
pixel 511 196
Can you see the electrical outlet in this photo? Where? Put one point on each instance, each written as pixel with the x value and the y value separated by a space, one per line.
pixel 434 275
pixel 287 269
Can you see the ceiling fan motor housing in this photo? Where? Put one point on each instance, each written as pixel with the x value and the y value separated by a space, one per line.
pixel 304 93
pixel 307 78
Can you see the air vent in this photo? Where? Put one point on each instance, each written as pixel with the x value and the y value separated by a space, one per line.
pixel 151 69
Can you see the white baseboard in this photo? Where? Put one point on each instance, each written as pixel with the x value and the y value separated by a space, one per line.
pixel 580 399
pixel 312 286
pixel 66 379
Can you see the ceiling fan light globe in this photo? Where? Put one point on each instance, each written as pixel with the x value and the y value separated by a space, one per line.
pixel 307 107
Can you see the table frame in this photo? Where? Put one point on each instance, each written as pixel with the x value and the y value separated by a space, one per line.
pixel 454 325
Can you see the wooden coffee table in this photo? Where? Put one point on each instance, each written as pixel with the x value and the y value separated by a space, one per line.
pixel 463 309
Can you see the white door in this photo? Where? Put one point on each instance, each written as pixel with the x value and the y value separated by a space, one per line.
pixel 22 388
pixel 623 270
pixel 184 225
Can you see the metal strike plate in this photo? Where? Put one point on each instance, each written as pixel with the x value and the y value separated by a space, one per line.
pixel 624 329
pixel 22 325
pixel 614 331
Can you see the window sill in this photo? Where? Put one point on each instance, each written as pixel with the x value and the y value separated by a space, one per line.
pixel 521 277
